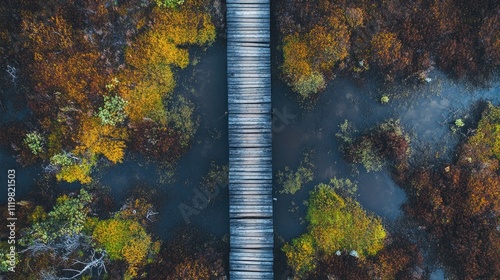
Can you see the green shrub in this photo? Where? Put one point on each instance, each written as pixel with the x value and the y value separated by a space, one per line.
pixel 62 159
pixel 169 3
pixel 379 145
pixel 365 153
pixel 335 223
pixel 343 186
pixel 67 218
pixel 113 111
pixel 34 141
pixel 459 123
pixel 311 84
pixel 180 116
pixel 384 99
pixel 345 133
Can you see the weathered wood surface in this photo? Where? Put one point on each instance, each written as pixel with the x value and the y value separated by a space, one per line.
pixel 250 154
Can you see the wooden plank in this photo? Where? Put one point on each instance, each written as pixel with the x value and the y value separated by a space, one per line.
pixel 246 4
pixel 257 108
pixel 251 255
pixel 252 209
pixel 246 44
pixel 236 118
pixel 239 274
pixel 244 49
pixel 250 164
pixel 250 191
pixel 251 242
pixel 237 186
pixel 248 13
pixel 250 124
pixel 248 1
pixel 250 152
pixel 259 266
pixel 249 161
pixel 251 175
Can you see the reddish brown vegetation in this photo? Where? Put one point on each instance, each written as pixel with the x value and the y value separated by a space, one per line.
pixel 405 38
pixel 156 141
pixel 398 260
pixel 459 204
pixel 386 143
pixel 189 256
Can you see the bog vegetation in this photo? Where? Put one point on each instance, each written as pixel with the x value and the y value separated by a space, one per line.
pixel 99 79
pixel 103 80
pixel 399 40
pixel 344 240
pixel 456 203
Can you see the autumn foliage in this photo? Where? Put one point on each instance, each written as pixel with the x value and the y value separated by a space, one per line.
pixel 190 255
pixel 94 83
pixel 124 240
pixel 398 260
pixel 336 224
pixel 385 143
pixel 398 39
pixel 310 55
pixel 459 205
pixel 155 55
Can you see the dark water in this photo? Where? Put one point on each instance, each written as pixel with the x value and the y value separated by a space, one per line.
pixel 422 114
pixel 13 109
pixel 205 85
pixel 437 275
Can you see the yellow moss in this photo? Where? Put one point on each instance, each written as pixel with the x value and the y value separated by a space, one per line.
pixel 54 35
pixel 295 53
pixel 300 254
pixel 184 26
pixel 98 139
pixel 77 172
pixel 309 57
pixel 145 101
pixel 124 240
pixel 335 223
pixel 156 53
pixel 38 214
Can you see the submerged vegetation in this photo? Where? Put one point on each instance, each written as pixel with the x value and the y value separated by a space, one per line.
pixel 292 181
pixel 386 143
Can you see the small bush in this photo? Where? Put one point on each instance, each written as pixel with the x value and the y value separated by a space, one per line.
pixel 308 85
pixel 384 99
pixel 169 3
pixel 34 141
pixel 113 111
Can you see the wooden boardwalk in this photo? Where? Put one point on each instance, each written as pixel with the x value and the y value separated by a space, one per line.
pixel 250 169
